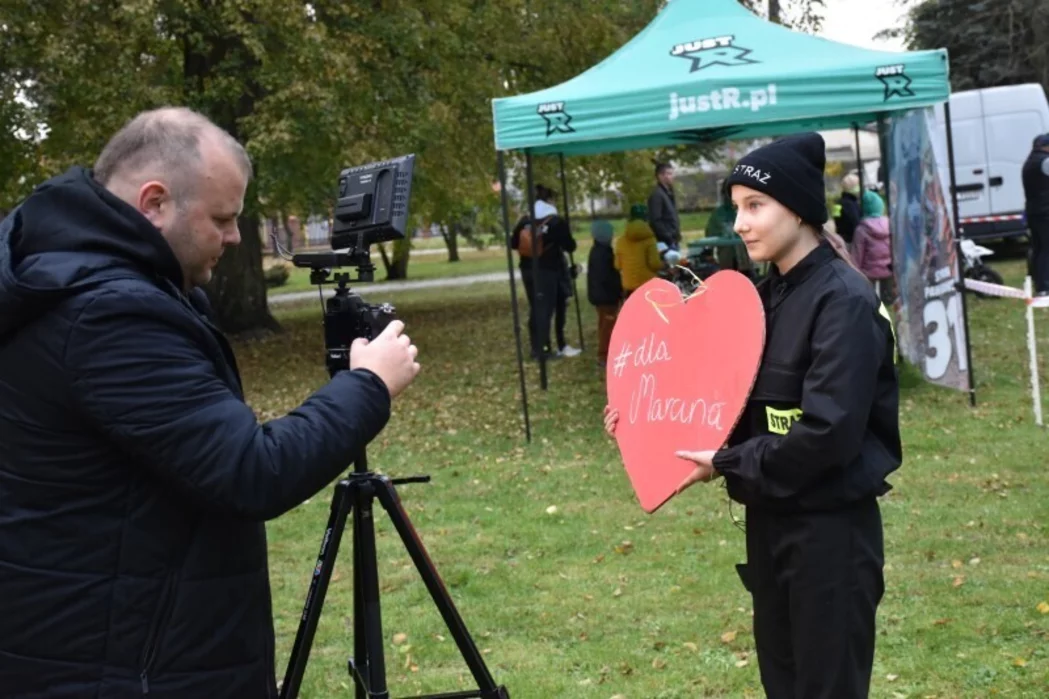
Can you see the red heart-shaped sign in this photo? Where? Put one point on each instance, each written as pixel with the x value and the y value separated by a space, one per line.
pixel 679 373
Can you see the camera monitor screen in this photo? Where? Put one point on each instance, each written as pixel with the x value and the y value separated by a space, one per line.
pixel 373 201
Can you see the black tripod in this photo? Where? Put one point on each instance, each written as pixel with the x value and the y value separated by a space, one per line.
pixel 343 318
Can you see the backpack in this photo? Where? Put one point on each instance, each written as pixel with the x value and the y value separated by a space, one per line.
pixel 526 242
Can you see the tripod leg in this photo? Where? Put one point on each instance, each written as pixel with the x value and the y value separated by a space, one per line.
pixel 340 506
pixel 388 497
pixel 359 668
pixel 367 627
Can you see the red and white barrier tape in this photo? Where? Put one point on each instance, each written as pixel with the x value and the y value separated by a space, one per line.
pixel 992 219
pixel 1008 292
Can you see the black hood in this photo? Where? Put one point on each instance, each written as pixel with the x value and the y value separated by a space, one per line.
pixel 70 235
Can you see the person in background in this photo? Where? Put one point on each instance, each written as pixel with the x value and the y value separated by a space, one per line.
pixel 721 224
pixel 544 275
pixel 872 246
pixel 636 252
pixel 847 212
pixel 662 208
pixel 604 288
pixel 1036 194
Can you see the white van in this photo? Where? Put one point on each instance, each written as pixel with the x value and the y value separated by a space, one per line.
pixel 992 131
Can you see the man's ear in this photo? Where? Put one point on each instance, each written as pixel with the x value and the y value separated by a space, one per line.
pixel 155 202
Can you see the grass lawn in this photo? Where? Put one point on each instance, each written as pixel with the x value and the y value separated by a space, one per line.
pixel 491 259
pixel 571 590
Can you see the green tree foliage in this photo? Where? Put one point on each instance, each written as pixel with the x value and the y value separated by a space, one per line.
pixel 309 88
pixel 989 42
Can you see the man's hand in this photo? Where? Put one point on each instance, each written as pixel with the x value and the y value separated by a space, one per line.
pixel 704 471
pixel 390 356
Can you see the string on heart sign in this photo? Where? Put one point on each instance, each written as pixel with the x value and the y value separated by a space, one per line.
pixel 680 371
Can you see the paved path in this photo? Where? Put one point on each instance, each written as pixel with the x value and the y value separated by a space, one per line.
pixel 393 287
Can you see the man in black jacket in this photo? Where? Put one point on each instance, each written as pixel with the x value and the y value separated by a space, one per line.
pixel 662 208
pixel 1036 193
pixel 134 479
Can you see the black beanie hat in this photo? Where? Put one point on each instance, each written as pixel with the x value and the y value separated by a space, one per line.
pixel 790 171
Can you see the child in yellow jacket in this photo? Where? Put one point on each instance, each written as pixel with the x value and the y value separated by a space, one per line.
pixel 637 256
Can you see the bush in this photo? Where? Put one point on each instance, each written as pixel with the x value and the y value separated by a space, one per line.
pixel 277 275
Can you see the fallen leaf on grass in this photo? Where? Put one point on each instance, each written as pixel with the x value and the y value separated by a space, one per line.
pixel 551 510
pixel 958 581
pixel 956 564
pixel 728 637
pixel 1019 662
pixel 892 678
pixel 659 663
pixel 399 638
pixel 691 646
pixel 1043 607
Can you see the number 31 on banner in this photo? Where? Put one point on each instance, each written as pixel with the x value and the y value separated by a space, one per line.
pixel 940 319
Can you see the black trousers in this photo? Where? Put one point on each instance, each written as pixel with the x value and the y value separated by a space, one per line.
pixel 1038 260
pixel 816 580
pixel 541 288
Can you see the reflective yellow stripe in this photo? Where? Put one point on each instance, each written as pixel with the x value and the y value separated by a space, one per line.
pixel 895 346
pixel 781 420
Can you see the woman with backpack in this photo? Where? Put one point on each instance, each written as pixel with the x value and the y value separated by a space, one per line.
pixel 544 271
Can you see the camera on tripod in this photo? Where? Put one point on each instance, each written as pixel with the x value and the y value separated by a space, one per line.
pixel 372 207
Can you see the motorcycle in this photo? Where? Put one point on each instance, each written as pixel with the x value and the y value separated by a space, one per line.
pixel 973 266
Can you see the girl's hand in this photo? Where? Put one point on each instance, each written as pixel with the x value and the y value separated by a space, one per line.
pixel 611 420
pixel 704 471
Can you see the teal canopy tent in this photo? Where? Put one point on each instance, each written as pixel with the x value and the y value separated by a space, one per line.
pixel 710 69
pixel 706 71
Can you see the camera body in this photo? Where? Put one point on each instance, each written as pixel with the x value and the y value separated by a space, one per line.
pixel 348 317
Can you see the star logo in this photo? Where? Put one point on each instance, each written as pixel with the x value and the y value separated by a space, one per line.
pixel 557 119
pixel 895 80
pixel 717 51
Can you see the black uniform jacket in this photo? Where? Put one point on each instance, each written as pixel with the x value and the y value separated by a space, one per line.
pixel 821 428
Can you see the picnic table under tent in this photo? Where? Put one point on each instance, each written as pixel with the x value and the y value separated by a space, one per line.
pixel 705 71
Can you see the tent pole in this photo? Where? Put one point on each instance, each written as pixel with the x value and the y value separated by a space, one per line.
pixel 883 153
pixel 513 294
pixel 859 160
pixel 539 335
pixel 571 259
pixel 958 247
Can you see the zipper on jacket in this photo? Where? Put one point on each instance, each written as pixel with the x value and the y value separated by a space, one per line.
pixel 160 619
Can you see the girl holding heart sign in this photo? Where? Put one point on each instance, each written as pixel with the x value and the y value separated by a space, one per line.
pixel 817 439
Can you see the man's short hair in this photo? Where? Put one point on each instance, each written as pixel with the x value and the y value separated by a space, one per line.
pixel 663 167
pixel 165 142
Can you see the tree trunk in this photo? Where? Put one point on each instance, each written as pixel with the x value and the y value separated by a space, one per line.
pixel 398 267
pixel 774 14
pixel 237 290
pixel 451 240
